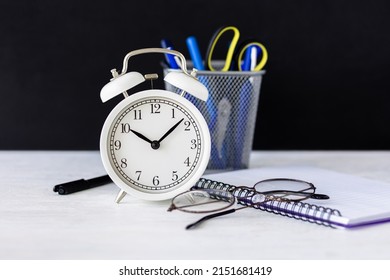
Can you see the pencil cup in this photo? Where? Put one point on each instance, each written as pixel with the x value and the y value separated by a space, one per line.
pixel 230 113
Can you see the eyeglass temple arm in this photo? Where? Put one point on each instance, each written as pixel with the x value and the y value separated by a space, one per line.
pixel 319 196
pixel 208 217
pixel 302 192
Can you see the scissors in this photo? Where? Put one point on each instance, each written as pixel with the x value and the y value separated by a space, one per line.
pixel 235 56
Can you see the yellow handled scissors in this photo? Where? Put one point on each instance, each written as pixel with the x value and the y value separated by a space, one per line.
pixel 234 55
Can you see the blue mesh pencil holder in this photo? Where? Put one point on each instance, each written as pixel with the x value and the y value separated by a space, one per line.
pixel 230 113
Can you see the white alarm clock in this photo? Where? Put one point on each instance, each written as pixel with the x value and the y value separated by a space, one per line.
pixel 155 143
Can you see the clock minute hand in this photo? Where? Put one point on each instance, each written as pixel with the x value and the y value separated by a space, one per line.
pixel 143 137
pixel 170 130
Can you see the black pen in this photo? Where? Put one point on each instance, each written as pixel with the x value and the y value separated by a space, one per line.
pixel 80 185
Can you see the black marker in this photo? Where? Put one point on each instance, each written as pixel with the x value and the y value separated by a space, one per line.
pixel 80 185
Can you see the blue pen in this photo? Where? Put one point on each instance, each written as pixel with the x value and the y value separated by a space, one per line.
pixel 246 64
pixel 193 49
pixel 212 111
pixel 196 57
pixel 250 58
pixel 166 44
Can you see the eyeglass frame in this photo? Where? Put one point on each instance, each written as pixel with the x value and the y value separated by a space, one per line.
pixel 237 198
pixel 307 195
pixel 173 206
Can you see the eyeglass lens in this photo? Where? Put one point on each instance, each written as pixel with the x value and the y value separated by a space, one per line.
pixel 203 201
pixel 286 188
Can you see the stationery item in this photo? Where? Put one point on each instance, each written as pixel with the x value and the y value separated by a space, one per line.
pixel 235 56
pixel 258 50
pixel 250 58
pixel 223 118
pixel 170 59
pixel 230 51
pixel 240 135
pixel 242 90
pixel 196 57
pixel 354 201
pixel 241 122
pixel 254 53
pixel 80 185
pixel 197 61
pixel 243 58
pixel 241 139
pixel 247 63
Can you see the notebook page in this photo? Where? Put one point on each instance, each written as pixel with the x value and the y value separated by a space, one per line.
pixel 358 199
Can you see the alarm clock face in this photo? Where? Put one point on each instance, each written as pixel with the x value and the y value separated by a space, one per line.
pixel 155 144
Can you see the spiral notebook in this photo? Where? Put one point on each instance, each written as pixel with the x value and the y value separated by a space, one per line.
pixel 354 201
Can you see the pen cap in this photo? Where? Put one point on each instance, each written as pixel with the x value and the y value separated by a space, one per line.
pixel 120 84
pixel 187 83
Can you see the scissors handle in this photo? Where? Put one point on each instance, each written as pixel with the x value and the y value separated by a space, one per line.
pixel 247 46
pixel 230 53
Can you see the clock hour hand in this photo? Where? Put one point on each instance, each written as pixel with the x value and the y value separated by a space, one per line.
pixel 170 130
pixel 143 137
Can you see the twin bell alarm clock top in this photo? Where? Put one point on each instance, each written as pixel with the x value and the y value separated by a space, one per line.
pixel 155 143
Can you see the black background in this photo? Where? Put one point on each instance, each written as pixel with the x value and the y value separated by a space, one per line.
pixel 326 86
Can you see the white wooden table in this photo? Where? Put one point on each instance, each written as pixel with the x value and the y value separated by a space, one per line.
pixel 37 223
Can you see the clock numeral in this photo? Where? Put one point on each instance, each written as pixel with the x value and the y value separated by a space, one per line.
pixel 193 144
pixel 125 127
pixel 137 115
pixel 173 113
pixel 174 176
pixel 155 108
pixel 117 145
pixel 187 162
pixel 156 181
pixel 187 124
pixel 123 162
pixel 139 174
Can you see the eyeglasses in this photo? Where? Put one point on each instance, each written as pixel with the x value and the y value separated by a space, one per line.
pixel 221 197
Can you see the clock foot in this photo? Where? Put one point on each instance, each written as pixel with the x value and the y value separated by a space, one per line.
pixel 120 196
